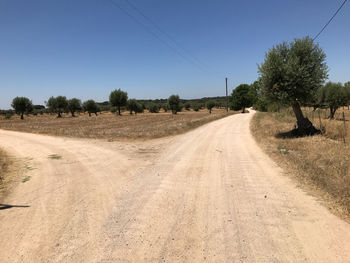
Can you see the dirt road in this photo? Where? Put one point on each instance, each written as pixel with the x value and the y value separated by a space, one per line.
pixel 209 195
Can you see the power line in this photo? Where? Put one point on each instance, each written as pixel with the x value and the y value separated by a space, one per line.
pixel 146 28
pixel 165 33
pixel 330 20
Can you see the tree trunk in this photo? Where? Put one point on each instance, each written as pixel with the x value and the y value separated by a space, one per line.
pixel 119 110
pixel 89 114
pixel 243 109
pixel 305 126
pixel 59 115
pixel 209 111
pixel 22 116
pixel 332 112
pixel 72 113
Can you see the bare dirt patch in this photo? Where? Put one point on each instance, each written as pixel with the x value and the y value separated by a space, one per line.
pixel 320 163
pixel 109 126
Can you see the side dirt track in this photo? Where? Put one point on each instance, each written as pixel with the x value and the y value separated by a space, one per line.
pixel 208 195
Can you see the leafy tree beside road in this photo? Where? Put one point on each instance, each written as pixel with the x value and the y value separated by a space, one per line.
pixel 291 74
pixel 118 98
pixel 243 97
pixel 22 105
pixel 57 104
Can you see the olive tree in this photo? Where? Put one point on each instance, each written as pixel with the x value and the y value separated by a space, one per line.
pixel 291 74
pixel 333 95
pixel 74 105
pixel 91 107
pixel 243 97
pixel 174 103
pixel 57 104
pixel 210 105
pixel 118 98
pixel 22 105
pixel 134 106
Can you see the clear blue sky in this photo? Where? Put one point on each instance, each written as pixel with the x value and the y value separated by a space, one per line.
pixel 86 48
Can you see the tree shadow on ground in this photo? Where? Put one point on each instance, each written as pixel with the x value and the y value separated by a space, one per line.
pixel 6 206
pixel 297 133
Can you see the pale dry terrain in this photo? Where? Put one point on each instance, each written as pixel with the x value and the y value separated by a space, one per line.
pixel 209 195
pixel 110 126
pixel 320 162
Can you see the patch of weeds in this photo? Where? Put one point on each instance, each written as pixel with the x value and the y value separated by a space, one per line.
pixel 55 156
pixel 282 149
pixel 26 179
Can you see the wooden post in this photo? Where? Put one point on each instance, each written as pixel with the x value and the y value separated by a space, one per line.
pixel 344 127
pixel 319 118
pixel 226 96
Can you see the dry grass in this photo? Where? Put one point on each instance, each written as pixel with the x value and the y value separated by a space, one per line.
pixel 109 126
pixel 319 162
pixel 3 164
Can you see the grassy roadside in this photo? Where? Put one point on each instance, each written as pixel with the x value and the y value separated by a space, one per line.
pixel 109 126
pixel 4 167
pixel 319 163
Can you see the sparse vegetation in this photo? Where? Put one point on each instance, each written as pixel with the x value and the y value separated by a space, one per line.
pixel 321 162
pixel 55 156
pixel 3 164
pixel 106 126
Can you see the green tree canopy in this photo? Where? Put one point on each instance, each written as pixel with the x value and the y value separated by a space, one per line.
pixel 118 98
pixel 74 105
pixel 333 95
pixel 57 104
pixel 22 105
pixel 174 103
pixel 134 106
pixel 210 105
pixel 242 97
pixel 291 74
pixel 91 107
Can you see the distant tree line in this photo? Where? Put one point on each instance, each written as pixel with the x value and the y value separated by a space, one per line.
pixel 118 102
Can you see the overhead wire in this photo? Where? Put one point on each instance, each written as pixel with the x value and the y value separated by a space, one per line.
pixel 155 35
pixel 330 20
pixel 161 30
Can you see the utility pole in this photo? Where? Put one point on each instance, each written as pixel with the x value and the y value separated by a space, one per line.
pixel 226 96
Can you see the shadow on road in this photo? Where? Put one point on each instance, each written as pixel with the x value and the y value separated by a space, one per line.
pixel 5 206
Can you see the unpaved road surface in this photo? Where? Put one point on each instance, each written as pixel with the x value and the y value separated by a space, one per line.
pixel 209 195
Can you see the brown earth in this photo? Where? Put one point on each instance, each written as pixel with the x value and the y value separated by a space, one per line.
pixel 209 195
pixel 112 127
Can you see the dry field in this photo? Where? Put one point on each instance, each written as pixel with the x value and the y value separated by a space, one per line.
pixel 110 126
pixel 320 163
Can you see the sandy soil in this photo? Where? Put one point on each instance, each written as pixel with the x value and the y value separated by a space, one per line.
pixel 210 195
